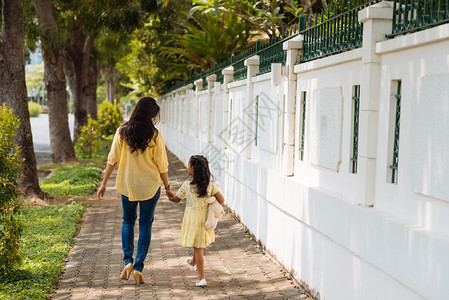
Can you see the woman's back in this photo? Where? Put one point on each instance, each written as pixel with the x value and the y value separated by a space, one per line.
pixel 138 175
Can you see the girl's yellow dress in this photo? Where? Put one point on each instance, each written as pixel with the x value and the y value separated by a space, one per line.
pixel 193 231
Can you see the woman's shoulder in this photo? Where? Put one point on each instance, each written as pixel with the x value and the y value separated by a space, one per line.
pixel 156 139
pixel 119 131
pixel 158 134
pixel 117 137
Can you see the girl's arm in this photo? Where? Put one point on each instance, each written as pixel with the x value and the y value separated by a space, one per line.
pixel 107 173
pixel 219 197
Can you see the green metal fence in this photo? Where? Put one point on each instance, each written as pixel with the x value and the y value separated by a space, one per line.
pixel 336 30
pixel 414 15
pixel 238 62
pixel 397 124
pixel 303 124
pixel 355 128
pixel 271 50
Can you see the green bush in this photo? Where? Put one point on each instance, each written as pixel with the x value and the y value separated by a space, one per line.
pixel 34 109
pixel 46 240
pixel 10 173
pixel 73 181
pixel 89 140
pixel 110 117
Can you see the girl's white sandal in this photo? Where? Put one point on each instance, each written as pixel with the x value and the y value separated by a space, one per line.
pixel 192 268
pixel 201 283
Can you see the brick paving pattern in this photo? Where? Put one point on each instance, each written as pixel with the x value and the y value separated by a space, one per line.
pixel 235 267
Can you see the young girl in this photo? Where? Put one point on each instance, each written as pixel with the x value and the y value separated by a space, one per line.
pixel 193 231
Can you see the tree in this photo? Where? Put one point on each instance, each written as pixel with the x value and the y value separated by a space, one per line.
pixel 210 39
pixel 13 88
pixel 169 45
pixel 149 69
pixel 77 69
pixel 53 55
pixel 268 16
pixel 112 46
pixel 86 20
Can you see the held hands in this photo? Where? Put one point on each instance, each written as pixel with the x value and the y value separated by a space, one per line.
pixel 169 192
pixel 171 195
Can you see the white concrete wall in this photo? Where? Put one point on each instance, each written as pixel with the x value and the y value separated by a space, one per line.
pixel 317 222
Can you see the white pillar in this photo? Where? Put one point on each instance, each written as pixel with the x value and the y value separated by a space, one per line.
pixel 188 106
pixel 228 73
pixel 171 112
pixel 294 51
pixel 210 91
pixel 252 64
pixel 182 98
pixel 376 21
pixel 199 86
pixel 178 110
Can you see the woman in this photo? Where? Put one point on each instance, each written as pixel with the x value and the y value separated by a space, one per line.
pixel 139 150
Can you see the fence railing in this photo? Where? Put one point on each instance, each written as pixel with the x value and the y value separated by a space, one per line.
pixel 270 51
pixel 414 15
pixel 335 30
pixel 238 62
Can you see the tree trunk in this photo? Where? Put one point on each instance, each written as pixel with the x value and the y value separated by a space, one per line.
pixel 55 82
pixel 13 90
pixel 110 77
pixel 91 90
pixel 79 52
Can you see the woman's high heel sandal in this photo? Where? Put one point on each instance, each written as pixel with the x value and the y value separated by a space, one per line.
pixel 126 271
pixel 138 277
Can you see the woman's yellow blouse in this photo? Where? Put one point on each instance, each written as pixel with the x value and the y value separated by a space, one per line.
pixel 138 175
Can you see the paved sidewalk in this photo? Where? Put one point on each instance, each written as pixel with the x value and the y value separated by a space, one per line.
pixel 235 267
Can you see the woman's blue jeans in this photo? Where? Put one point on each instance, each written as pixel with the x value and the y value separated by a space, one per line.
pixel 145 223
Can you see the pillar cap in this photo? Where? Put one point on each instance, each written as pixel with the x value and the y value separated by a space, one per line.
pixel 212 77
pixel 382 11
pixel 252 61
pixel 228 71
pixel 294 43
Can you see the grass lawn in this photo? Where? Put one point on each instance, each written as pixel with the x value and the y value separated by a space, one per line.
pixel 75 180
pixel 45 243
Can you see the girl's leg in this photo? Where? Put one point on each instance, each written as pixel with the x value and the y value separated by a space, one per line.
pixel 129 219
pixel 145 224
pixel 199 261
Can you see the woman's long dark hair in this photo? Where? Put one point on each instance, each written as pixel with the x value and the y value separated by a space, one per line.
pixel 140 130
pixel 201 174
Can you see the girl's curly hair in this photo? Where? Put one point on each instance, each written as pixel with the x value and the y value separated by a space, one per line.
pixel 140 130
pixel 201 174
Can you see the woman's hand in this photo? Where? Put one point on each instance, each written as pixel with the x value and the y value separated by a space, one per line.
pixel 173 198
pixel 101 191
pixel 170 193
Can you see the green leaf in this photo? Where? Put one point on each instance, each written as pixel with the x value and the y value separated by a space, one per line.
pixel 192 11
